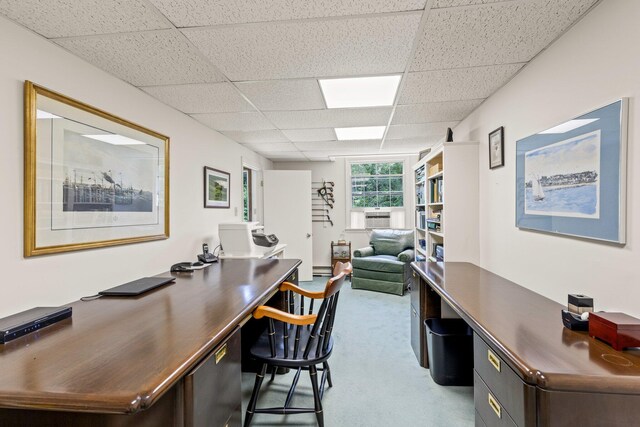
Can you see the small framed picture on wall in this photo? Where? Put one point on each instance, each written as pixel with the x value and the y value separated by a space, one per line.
pixel 216 188
pixel 496 148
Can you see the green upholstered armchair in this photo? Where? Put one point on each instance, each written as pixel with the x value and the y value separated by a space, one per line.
pixel 384 265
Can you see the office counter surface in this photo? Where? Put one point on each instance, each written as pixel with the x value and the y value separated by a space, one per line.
pixel 557 377
pixel 528 329
pixel 120 355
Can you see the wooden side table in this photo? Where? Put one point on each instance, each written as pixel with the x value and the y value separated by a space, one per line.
pixel 340 252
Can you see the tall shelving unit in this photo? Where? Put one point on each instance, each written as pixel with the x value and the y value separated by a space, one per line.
pixel 446 196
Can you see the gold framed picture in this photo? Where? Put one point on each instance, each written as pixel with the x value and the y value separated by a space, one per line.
pixel 91 179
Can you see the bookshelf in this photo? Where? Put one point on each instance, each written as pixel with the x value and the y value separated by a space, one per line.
pixel 446 195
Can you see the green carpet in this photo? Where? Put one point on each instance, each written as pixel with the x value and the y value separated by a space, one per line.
pixel 376 378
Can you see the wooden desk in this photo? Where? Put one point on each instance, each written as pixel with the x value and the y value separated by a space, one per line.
pixel 565 377
pixel 132 355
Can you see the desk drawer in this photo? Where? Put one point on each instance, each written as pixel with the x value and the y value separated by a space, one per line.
pixel 415 289
pixel 490 409
pixel 518 398
pixel 479 422
pixel 212 389
pixel 417 334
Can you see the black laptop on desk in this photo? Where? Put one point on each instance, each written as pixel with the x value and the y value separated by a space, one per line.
pixel 137 287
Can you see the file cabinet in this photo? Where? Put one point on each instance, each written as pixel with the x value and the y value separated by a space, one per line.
pixel 507 390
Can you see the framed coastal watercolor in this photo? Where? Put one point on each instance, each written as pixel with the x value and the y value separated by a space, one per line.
pixel 91 179
pixel 216 188
pixel 571 178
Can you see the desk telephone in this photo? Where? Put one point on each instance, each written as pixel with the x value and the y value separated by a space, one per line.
pixel 207 256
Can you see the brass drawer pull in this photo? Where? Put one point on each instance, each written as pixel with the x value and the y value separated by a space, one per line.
pixel 494 360
pixel 221 353
pixel 495 405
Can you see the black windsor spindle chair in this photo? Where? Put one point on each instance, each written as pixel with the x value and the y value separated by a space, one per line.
pixel 298 341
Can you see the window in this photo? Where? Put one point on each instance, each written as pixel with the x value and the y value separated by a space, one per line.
pixel 246 194
pixel 377 185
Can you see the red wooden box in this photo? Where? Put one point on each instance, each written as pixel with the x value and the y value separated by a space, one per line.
pixel 619 330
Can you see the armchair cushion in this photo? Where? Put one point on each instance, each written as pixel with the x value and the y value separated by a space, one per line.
pixel 406 256
pixel 363 252
pixel 391 242
pixel 384 263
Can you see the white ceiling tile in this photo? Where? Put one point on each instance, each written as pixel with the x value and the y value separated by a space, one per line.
pixel 334 47
pixel 457 84
pixel 145 59
pixel 234 121
pixel 434 111
pixel 201 98
pixel 270 147
pixel 302 94
pixel 409 145
pixel 83 17
pixel 319 145
pixel 302 135
pixel 498 33
pixel 318 158
pixel 318 154
pixel 256 136
pixel 285 156
pixel 339 117
pixel 437 4
pixel 368 146
pixel 419 130
pixel 192 13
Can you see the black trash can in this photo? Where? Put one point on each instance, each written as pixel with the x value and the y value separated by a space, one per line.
pixel 450 344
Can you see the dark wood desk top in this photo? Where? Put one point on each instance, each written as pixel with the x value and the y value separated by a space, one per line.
pixel 527 328
pixel 119 355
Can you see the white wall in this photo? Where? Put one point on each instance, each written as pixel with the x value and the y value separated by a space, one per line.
pixel 324 233
pixel 57 279
pixel 594 63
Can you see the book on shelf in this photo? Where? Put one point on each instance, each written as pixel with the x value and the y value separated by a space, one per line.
pixel 438 251
pixel 420 195
pixel 436 190
pixel 421 219
pixel 433 225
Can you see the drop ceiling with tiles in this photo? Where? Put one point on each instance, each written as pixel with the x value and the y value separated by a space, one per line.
pixel 250 69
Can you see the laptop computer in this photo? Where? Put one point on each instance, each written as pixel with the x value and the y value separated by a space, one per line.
pixel 137 287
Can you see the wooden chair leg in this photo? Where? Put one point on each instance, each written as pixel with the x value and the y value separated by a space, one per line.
pixel 326 367
pixel 313 373
pixel 254 395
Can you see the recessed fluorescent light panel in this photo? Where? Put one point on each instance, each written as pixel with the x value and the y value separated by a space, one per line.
pixel 115 139
pixel 360 133
pixel 360 91
pixel 570 125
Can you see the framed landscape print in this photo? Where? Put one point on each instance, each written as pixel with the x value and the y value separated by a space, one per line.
pixel 571 179
pixel 216 188
pixel 496 148
pixel 91 179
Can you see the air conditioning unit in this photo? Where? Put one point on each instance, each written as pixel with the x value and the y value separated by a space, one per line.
pixel 378 219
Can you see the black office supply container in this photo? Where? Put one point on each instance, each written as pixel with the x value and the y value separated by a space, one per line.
pixel 450 344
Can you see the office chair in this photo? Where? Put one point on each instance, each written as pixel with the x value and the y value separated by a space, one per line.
pixel 298 341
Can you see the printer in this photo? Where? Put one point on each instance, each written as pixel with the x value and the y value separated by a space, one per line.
pixel 245 239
